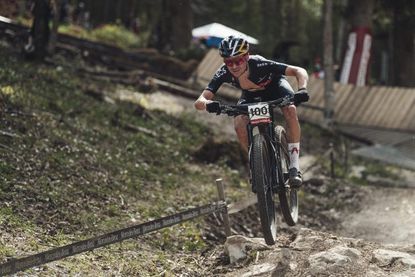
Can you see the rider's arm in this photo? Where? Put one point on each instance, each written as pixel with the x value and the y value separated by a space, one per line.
pixel 299 73
pixel 222 75
pixel 204 98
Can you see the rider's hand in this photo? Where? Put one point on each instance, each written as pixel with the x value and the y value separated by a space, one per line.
pixel 301 96
pixel 213 107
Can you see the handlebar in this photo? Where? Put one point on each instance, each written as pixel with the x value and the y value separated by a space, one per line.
pixel 234 110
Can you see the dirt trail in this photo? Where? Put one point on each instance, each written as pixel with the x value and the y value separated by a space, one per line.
pixel 387 216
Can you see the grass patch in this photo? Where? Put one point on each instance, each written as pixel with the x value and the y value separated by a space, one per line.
pixel 71 172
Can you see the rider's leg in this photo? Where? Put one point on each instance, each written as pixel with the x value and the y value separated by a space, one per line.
pixel 293 137
pixel 240 123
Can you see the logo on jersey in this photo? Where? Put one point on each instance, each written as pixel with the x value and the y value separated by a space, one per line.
pixel 220 72
pixel 261 64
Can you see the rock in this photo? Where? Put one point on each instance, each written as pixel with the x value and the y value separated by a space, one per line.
pixel 238 247
pixel 334 259
pixel 384 257
pixel 258 270
pixel 306 239
pixel 408 273
pixel 314 253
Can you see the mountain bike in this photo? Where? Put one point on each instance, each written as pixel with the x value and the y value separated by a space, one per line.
pixel 269 161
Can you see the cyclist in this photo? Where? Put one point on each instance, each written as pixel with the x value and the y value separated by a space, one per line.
pixel 259 79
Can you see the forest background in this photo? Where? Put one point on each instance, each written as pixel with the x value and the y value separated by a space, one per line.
pixel 289 31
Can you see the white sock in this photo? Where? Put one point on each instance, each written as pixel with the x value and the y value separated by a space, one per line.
pixel 294 153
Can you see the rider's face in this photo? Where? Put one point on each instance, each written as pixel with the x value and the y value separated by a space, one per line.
pixel 236 65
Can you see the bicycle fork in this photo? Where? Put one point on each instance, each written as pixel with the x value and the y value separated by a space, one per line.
pixel 267 131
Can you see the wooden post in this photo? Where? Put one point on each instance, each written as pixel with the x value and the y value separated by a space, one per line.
pixel 328 65
pixel 346 158
pixel 332 161
pixel 225 215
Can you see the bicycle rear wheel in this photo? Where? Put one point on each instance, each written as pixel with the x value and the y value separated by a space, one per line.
pixel 288 196
pixel 262 178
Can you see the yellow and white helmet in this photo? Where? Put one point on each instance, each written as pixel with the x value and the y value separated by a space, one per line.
pixel 233 46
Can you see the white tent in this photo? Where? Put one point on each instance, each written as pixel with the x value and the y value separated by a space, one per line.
pixel 221 31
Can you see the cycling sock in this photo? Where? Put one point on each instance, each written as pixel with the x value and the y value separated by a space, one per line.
pixel 294 153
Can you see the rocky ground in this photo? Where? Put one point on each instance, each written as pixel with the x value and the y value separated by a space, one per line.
pixel 356 231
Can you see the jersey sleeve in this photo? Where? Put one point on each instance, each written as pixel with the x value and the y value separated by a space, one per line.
pixel 221 76
pixel 278 68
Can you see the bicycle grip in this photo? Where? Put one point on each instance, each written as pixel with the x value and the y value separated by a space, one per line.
pixel 301 97
pixel 213 107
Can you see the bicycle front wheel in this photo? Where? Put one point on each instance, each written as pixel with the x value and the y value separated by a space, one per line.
pixel 262 179
pixel 288 196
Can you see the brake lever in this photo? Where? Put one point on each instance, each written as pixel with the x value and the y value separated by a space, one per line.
pixel 286 101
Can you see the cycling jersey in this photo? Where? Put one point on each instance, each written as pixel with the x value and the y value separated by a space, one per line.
pixel 267 74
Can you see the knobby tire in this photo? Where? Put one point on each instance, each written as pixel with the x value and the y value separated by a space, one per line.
pixel 288 196
pixel 262 178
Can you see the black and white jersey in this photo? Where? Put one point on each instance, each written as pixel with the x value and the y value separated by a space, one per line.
pixel 262 72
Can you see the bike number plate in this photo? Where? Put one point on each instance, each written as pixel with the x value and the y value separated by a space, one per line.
pixel 259 113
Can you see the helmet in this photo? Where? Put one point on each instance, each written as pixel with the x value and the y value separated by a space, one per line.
pixel 233 46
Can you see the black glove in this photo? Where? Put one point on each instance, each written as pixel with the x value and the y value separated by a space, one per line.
pixel 213 107
pixel 301 96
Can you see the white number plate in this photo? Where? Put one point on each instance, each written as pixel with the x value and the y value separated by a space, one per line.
pixel 259 113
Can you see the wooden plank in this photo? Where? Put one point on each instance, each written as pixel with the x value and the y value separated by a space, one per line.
pixel 351 104
pixel 393 116
pixel 316 91
pixel 354 117
pixel 368 107
pixel 357 119
pixel 317 100
pixel 385 109
pixel 373 106
pixel 406 108
pixel 381 109
pixel 345 101
pixel 348 104
pixel 209 65
pixel 409 122
pixel 342 92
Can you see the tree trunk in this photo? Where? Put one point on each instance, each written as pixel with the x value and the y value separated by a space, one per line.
pixel 174 28
pixel 361 13
pixel 181 24
pixel 328 63
pixel 55 24
pixel 404 43
pixel 268 24
pixel 40 28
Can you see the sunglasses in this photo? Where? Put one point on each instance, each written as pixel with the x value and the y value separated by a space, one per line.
pixel 237 62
